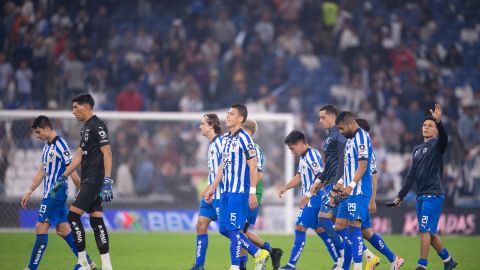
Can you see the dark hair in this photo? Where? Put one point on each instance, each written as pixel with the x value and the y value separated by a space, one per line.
pixel 242 109
pixel 430 118
pixel 84 98
pixel 363 124
pixel 344 117
pixel 329 109
pixel 212 119
pixel 42 122
pixel 294 137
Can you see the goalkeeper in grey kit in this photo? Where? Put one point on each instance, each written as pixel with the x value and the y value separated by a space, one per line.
pixel 95 157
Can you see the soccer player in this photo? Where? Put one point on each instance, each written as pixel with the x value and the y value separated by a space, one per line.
pixel 250 126
pixel 333 146
pixel 239 170
pixel 95 157
pixel 426 170
pixel 208 212
pixel 53 211
pixel 309 167
pixel 357 182
pixel 375 240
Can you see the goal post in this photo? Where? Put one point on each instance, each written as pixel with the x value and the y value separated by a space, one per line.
pixel 145 139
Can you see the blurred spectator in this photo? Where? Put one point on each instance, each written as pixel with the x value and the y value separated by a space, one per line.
pixel 265 29
pixel 124 180
pixel 61 20
pixel 177 31
pixel 74 76
pixel 144 176
pixel 6 75
pixel 129 99
pixel 24 77
pixel 5 149
pixel 386 185
pixel 224 30
pixel 392 129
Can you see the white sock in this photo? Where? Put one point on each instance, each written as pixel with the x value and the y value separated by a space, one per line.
pixel 235 267
pixel 357 266
pixel 106 264
pixel 82 258
pixel 447 259
pixel 368 254
pixel 258 253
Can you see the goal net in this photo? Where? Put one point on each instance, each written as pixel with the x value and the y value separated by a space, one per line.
pixel 159 168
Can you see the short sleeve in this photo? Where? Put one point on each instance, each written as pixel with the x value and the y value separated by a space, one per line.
pixel 64 151
pixel 247 145
pixel 102 134
pixel 314 161
pixel 361 144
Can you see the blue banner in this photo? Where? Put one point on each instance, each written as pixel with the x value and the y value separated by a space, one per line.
pixel 133 220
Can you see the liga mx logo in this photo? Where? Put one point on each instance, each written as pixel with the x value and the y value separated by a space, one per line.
pixel 129 220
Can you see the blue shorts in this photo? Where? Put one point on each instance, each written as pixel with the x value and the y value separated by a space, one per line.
pixel 308 217
pixel 357 207
pixel 53 211
pixel 252 215
pixel 209 210
pixel 233 211
pixel 367 223
pixel 429 209
pixel 340 211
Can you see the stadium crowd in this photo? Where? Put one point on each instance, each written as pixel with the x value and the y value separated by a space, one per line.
pixel 387 61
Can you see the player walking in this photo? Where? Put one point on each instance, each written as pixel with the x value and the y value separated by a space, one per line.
pixel 426 170
pixel 95 157
pixel 239 169
pixel 208 212
pixel 53 211
pixel 310 166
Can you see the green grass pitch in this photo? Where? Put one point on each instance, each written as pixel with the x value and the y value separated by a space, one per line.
pixel 171 251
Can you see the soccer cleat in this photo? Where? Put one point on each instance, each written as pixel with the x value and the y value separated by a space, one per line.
pixel 80 267
pixel 372 262
pixel 197 267
pixel 334 267
pixel 92 265
pixel 276 256
pixel 287 267
pixel 261 260
pixel 450 264
pixel 419 267
pixel 395 265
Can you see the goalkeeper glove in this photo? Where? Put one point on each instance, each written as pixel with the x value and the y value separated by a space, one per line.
pixel 62 180
pixel 106 192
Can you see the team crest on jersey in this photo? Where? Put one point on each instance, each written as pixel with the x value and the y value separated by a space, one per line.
pixel 425 149
pixel 51 154
pixel 86 135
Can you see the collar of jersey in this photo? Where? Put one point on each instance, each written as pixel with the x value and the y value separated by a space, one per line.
pixel 306 151
pixel 93 116
pixel 54 140
pixel 234 134
pixel 214 138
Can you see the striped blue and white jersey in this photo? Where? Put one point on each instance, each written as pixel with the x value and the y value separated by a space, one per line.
pixel 237 148
pixel 214 160
pixel 56 157
pixel 358 148
pixel 310 166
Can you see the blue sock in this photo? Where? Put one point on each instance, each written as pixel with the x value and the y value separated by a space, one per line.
pixel 297 247
pixel 443 254
pixel 329 245
pixel 327 225
pixel 71 243
pixel 243 261
pixel 347 255
pixel 357 244
pixel 423 262
pixel 248 245
pixel 235 246
pixel 202 245
pixel 381 246
pixel 38 251
pixel 267 246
